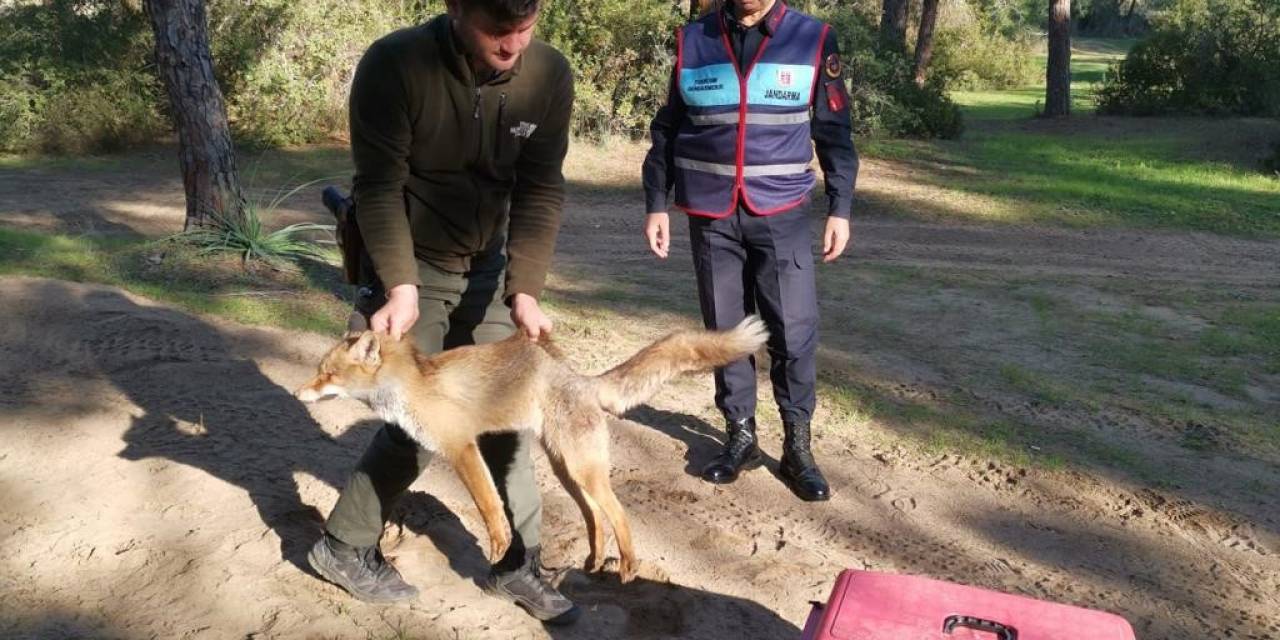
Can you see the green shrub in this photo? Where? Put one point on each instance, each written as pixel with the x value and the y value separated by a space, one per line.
pixel 285 66
pixel 245 235
pixel 74 77
pixel 1213 57
pixel 20 108
pixel 78 75
pixel 101 118
pixel 971 59
pixel 884 98
pixel 621 57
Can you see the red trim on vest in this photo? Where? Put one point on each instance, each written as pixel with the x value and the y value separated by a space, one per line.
pixel 774 211
pixel 679 56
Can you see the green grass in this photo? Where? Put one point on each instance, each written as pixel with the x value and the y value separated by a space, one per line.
pixel 1250 329
pixel 1037 386
pixel 200 284
pixel 1106 173
pixel 1085 171
pixel 1090 59
pixel 1057 366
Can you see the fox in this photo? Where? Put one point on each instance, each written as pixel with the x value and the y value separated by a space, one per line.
pixel 445 401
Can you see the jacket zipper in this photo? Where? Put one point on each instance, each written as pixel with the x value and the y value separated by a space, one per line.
pixel 502 123
pixel 475 115
pixel 478 126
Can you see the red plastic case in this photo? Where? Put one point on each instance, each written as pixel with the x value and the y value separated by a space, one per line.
pixel 865 605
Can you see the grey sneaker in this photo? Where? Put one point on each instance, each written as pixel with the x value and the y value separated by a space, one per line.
pixel 362 571
pixel 526 587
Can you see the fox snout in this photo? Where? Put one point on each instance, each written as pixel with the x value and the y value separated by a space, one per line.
pixel 318 390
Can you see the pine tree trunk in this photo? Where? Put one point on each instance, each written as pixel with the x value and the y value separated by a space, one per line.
pixel 924 41
pixel 1057 100
pixel 893 25
pixel 1128 17
pixel 199 113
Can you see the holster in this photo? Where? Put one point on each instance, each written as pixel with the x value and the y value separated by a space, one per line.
pixel 357 267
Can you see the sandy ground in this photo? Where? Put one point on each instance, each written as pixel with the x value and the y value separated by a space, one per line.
pixel 160 482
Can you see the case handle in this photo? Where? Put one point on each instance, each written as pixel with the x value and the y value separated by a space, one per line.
pixel 1003 632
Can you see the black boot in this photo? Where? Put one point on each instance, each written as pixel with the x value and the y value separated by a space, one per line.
pixel 525 586
pixel 798 468
pixel 362 571
pixel 740 452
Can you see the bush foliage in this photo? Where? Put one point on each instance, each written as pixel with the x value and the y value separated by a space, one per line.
pixel 1213 57
pixel 77 75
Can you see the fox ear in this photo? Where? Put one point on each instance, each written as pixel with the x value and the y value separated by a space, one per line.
pixel 366 350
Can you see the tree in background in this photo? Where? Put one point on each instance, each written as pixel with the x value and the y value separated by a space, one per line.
pixel 893 25
pixel 1057 101
pixel 924 40
pixel 199 113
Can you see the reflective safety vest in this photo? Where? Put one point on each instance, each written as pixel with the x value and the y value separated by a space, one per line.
pixel 746 134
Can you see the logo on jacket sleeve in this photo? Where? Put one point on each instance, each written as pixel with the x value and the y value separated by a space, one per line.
pixel 523 130
pixel 832 66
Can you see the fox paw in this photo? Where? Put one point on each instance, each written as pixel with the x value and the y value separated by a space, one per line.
pixel 627 569
pixel 499 542
pixel 595 563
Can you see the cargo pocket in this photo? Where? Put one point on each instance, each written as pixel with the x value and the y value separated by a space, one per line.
pixel 803 259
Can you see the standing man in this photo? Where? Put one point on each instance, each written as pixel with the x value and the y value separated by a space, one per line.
pixel 754 81
pixel 459 129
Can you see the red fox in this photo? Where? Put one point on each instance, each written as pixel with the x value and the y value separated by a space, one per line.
pixel 444 401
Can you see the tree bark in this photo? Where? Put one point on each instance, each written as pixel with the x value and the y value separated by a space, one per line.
pixel 205 152
pixel 924 41
pixel 893 25
pixel 1057 100
pixel 1128 17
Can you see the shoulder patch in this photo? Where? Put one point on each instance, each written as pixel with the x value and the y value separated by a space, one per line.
pixel 837 98
pixel 832 66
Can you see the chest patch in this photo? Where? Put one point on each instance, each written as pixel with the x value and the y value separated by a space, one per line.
pixel 714 85
pixel 780 85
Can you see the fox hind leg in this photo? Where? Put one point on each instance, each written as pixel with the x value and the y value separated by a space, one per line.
pixel 590 510
pixel 590 468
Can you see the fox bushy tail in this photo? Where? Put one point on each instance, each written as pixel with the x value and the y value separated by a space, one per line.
pixel 635 380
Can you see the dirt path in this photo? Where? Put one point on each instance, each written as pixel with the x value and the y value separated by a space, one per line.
pixel 160 482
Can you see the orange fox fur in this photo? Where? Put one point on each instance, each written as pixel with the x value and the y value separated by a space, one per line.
pixel 444 401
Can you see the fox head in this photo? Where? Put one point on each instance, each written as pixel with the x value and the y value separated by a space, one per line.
pixel 348 370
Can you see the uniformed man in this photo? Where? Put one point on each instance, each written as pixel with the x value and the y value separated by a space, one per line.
pixel 754 82
pixel 459 129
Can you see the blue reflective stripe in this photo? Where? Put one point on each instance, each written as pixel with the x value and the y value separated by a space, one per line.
pixel 781 85
pixel 710 86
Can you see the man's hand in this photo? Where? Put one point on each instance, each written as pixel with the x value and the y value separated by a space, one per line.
pixel 398 314
pixel 834 238
pixel 657 228
pixel 528 317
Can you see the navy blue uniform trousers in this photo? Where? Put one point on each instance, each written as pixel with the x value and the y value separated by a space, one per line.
pixel 761 264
